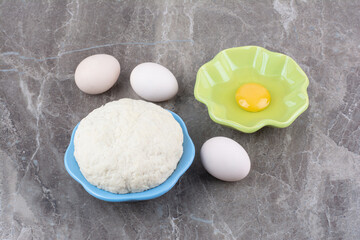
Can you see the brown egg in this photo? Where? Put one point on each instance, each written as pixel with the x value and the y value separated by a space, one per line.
pixel 97 73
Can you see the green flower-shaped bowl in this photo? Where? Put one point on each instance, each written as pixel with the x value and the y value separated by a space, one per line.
pixel 218 80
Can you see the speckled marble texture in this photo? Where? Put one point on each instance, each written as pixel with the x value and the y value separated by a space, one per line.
pixel 305 179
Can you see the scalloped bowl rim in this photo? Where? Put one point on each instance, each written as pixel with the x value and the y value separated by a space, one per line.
pixel 264 122
pixel 186 160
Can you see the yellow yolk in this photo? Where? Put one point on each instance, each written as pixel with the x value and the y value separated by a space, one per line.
pixel 252 97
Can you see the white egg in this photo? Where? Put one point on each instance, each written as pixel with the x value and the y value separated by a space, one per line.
pixel 97 73
pixel 153 82
pixel 225 159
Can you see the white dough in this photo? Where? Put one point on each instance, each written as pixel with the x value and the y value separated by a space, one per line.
pixel 128 146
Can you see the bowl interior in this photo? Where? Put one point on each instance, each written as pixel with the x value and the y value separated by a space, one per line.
pixel 186 160
pixel 219 80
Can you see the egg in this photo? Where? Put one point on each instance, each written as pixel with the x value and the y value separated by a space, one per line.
pixel 253 97
pixel 97 73
pixel 225 159
pixel 153 82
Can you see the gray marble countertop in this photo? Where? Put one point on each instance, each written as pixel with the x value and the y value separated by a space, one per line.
pixel 305 179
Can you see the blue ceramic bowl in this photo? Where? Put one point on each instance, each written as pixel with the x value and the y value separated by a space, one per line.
pixel 186 160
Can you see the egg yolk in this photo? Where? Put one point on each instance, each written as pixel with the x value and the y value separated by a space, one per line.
pixel 252 97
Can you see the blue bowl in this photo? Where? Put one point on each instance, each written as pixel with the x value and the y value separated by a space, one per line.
pixel 186 160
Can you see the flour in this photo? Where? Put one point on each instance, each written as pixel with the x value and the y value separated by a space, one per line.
pixel 128 146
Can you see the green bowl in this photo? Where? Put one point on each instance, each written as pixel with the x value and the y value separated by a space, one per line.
pixel 218 80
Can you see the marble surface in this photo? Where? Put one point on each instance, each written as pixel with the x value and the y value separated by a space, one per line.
pixel 305 179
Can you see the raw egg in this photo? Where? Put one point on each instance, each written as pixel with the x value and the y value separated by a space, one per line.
pixel 253 97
